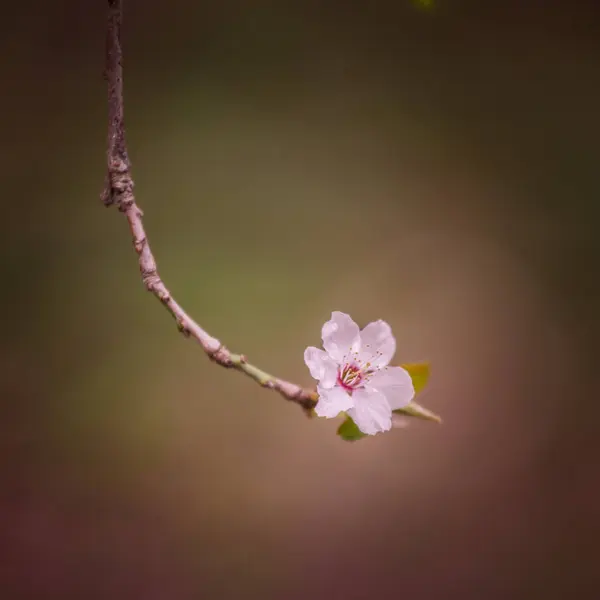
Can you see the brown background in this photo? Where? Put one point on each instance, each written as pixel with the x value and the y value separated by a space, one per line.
pixel 435 169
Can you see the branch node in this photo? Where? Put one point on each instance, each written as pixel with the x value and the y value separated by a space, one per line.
pixel 221 356
pixel 152 282
pixel 139 244
pixel 183 329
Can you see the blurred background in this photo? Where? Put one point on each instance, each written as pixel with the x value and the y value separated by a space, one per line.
pixel 434 168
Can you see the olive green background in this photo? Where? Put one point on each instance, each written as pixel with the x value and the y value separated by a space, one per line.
pixel 436 169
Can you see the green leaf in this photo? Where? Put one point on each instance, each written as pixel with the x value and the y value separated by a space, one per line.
pixel 420 412
pixel 349 431
pixel 419 373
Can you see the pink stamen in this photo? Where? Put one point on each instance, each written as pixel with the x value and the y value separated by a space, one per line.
pixel 350 377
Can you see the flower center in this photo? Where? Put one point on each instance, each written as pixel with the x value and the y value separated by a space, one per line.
pixel 350 377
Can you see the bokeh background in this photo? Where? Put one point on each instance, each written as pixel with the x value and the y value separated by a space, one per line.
pixel 434 168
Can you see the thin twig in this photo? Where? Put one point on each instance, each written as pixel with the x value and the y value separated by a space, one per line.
pixel 118 190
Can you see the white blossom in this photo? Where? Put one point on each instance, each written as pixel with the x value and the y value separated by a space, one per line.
pixel 354 375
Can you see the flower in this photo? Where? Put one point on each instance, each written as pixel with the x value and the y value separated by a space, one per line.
pixel 354 375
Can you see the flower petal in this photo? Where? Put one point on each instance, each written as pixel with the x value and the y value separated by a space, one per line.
pixel 321 366
pixel 395 384
pixel 371 411
pixel 340 336
pixel 378 344
pixel 332 402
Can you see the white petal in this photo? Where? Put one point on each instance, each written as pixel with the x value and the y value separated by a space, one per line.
pixel 321 366
pixel 395 384
pixel 378 344
pixel 340 336
pixel 371 411
pixel 332 402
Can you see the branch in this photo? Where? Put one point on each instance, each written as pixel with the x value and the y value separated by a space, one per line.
pixel 118 191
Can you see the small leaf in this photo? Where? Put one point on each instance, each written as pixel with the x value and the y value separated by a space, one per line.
pixel 349 431
pixel 419 373
pixel 416 410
